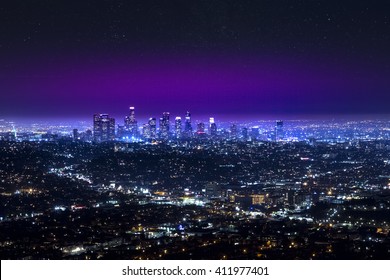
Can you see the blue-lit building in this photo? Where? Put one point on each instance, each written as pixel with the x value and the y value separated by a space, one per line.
pixel 245 135
pixel 233 131
pixel 164 126
pixel 279 133
pixel 213 128
pixel 103 128
pixel 188 126
pixel 200 129
pixel 131 127
pixel 178 127
pixel 153 128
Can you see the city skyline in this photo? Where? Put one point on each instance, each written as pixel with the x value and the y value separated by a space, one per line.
pixel 185 130
pixel 143 116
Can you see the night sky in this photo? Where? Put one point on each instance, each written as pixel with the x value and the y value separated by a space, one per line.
pixel 222 58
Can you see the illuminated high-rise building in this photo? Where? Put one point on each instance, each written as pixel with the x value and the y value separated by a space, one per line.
pixel 153 128
pixel 244 133
pixel 121 132
pixel 255 133
pixel 279 133
pixel 200 128
pixel 233 131
pixel 146 131
pixel 213 127
pixel 188 126
pixel 130 126
pixel 75 134
pixel 164 125
pixel 88 136
pixel 178 127
pixel 103 128
pixel 96 127
pixel 130 119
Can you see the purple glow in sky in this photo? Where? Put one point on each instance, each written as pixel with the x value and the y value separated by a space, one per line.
pixel 204 84
pixel 221 58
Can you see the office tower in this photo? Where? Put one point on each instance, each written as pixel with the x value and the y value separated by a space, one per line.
pixel 213 127
pixel 131 128
pixel 244 133
pixel 200 128
pixel 121 131
pixel 96 127
pixel 279 134
pixel 153 128
pixel 188 126
pixel 75 134
pixel 255 133
pixel 108 128
pixel 164 125
pixel 178 127
pixel 88 135
pixel 103 128
pixel 233 131
pixel 146 131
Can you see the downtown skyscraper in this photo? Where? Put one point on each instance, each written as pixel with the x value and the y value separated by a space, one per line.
pixel 178 127
pixel 152 128
pixel 213 128
pixel 103 128
pixel 279 133
pixel 130 127
pixel 188 126
pixel 164 126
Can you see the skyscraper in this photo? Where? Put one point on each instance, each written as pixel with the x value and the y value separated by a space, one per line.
pixel 153 128
pixel 279 134
pixel 213 127
pixel 200 128
pixel 131 128
pixel 164 125
pixel 178 127
pixel 233 131
pixel 75 134
pixel 244 133
pixel 103 128
pixel 255 133
pixel 146 131
pixel 188 126
pixel 88 135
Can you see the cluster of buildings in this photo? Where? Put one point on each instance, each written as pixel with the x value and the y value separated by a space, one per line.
pixel 104 129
